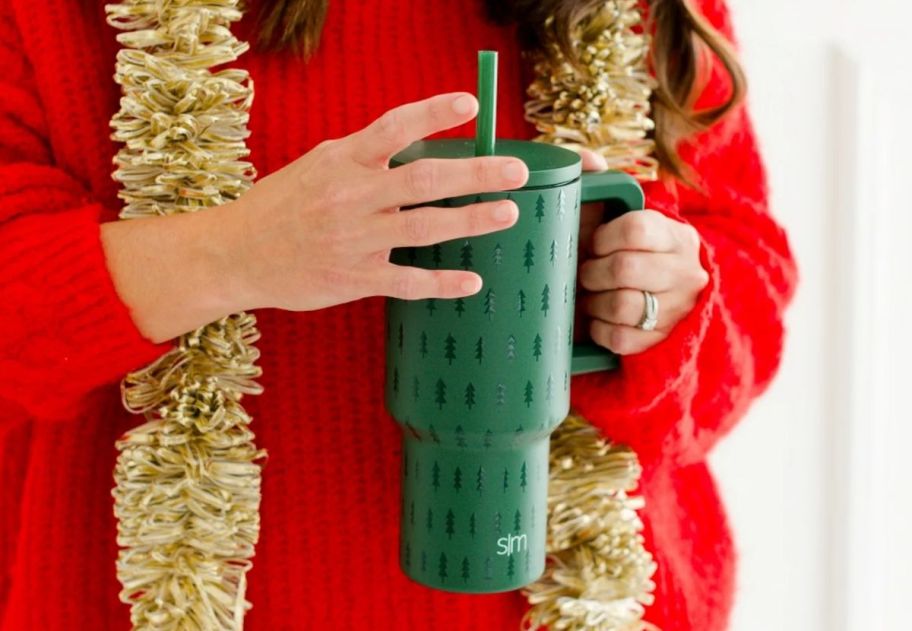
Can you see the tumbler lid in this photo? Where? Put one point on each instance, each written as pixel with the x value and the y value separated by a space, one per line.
pixel 549 165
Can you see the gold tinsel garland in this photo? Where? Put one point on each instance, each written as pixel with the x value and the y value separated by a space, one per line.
pixel 598 576
pixel 187 489
pixel 602 103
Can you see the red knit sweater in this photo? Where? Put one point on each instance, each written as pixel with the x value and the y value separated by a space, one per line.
pixel 67 338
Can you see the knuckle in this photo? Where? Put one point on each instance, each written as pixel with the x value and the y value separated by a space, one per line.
pixel 619 306
pixel 623 267
pixel 699 277
pixel 390 127
pixel 335 278
pixel 480 170
pixel 407 284
pixel 329 151
pixel 333 196
pixel 691 236
pixel 416 227
pixel 435 112
pixel 634 230
pixel 620 340
pixel 476 220
pixel 421 178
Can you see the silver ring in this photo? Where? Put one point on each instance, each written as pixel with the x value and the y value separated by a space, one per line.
pixel 650 312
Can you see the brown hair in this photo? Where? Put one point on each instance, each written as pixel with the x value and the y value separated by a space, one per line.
pixel 680 37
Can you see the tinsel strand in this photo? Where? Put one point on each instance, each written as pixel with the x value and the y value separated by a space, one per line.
pixel 599 573
pixel 603 103
pixel 188 481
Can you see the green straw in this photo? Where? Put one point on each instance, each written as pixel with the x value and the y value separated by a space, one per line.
pixel 487 103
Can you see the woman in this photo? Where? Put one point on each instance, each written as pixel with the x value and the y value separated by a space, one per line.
pixel 88 299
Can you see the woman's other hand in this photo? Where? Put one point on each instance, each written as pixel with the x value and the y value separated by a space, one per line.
pixel 642 250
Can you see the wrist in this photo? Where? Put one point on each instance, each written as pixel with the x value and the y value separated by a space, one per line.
pixel 224 256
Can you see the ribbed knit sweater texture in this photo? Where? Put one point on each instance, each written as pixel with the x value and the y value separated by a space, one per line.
pixel 327 557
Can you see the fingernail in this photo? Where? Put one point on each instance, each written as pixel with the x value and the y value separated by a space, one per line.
pixel 464 104
pixel 503 212
pixel 513 171
pixel 471 285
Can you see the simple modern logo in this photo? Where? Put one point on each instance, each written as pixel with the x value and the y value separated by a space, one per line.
pixel 511 543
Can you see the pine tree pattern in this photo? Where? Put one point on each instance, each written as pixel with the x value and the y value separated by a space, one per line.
pixel 435 476
pixel 498 254
pixel 537 347
pixel 527 397
pixel 521 302
pixel 465 569
pixel 498 522
pixel 472 525
pixel 440 394
pixel 570 246
pixel 523 480
pixel 408 556
pixel 460 437
pixel 442 567
pixel 517 521
pixel 488 438
pixel 540 208
pixel 501 396
pixel 553 254
pixel 506 479
pixel 489 303
pixel 431 304
pixel 529 256
pixel 423 344
pixel 450 524
pixel 511 347
pixel 561 206
pixel 549 386
pixel 465 255
pixel 546 300
pixel 396 380
pixel 449 348
pixel 480 480
pixel 470 395
pixel 423 561
pixel 479 349
pixel 415 388
pixel 459 306
pixel 457 479
pixel 511 569
pixel 565 293
pixel 430 520
pixel 488 569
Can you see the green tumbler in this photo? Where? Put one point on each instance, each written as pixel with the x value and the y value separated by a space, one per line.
pixel 479 383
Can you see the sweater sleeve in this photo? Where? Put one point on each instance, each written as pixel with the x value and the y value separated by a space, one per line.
pixel 675 400
pixel 65 330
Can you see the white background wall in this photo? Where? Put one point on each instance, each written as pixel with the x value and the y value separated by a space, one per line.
pixel 817 478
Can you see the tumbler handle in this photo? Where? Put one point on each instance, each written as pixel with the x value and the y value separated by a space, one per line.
pixel 621 193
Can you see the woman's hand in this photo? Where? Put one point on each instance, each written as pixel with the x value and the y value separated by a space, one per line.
pixel 642 250
pixel 317 232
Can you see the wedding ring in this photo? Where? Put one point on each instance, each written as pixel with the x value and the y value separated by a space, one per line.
pixel 650 312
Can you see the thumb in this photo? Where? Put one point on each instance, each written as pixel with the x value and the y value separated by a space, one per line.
pixel 592 161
